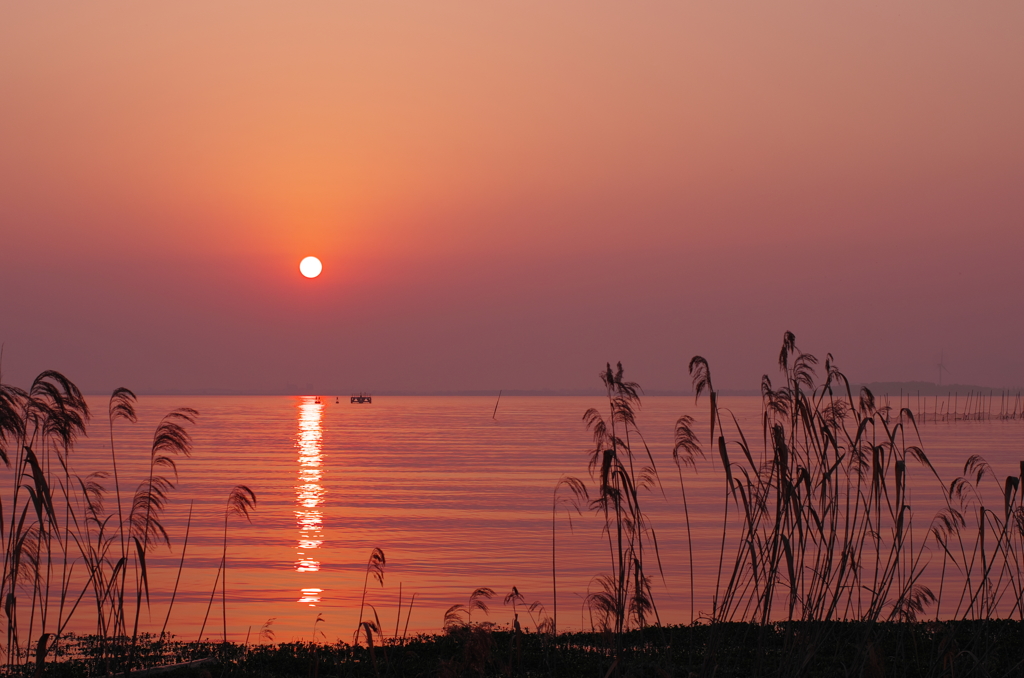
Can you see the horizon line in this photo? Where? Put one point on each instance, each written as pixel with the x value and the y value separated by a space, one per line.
pixel 878 388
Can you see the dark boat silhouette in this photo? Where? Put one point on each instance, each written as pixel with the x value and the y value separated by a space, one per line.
pixel 361 399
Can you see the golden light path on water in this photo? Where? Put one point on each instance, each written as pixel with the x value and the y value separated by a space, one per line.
pixel 309 494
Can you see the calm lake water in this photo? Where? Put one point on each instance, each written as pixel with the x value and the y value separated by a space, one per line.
pixel 455 499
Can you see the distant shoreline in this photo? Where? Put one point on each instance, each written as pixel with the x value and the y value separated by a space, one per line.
pixel 890 388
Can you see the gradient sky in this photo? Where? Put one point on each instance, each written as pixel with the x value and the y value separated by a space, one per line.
pixel 508 194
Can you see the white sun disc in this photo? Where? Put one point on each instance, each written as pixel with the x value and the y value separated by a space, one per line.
pixel 310 267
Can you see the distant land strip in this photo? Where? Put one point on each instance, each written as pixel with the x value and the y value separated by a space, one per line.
pixel 878 388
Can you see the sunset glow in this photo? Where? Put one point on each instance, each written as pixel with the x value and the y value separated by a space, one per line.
pixel 527 235
pixel 468 184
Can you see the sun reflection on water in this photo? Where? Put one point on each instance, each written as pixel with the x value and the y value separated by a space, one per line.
pixel 309 493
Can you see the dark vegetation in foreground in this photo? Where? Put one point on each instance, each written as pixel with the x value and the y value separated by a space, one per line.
pixel 954 648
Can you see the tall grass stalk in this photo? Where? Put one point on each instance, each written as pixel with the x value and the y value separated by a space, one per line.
pixel 241 500
pixel 375 568
pixel 577 493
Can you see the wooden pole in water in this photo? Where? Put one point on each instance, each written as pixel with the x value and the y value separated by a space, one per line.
pixel 495 415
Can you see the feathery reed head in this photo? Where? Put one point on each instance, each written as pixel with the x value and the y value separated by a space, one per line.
pixel 57 408
pixel 803 370
pixel 267 633
pixel 513 597
pixel 375 565
pixel 788 347
pixel 12 424
pixel 241 500
pixel 171 438
pixel 477 598
pixel 615 385
pixel 576 488
pixel 122 405
pixel 700 373
pixel 867 401
pixel 687 445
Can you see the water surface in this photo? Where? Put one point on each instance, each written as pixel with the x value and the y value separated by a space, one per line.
pixel 456 499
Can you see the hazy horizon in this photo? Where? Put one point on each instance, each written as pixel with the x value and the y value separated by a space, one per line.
pixel 908 388
pixel 508 195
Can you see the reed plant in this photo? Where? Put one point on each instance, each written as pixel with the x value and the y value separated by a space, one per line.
pixel 375 568
pixel 462 615
pixel 241 500
pixel 825 528
pixel 622 465
pixel 572 499
pixel 817 525
pixel 63 542
pixel 535 610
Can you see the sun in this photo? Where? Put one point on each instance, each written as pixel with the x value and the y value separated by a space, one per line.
pixel 310 267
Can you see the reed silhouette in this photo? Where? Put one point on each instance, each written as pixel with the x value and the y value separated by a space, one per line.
pixel 69 538
pixel 240 501
pixel 816 524
pixel 824 529
pixel 375 568
pixel 58 522
pixel 625 596
pixel 577 494
pixel 462 615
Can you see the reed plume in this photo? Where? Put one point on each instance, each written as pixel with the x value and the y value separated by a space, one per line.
pixel 459 615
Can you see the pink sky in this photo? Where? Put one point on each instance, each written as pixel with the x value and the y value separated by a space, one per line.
pixel 508 194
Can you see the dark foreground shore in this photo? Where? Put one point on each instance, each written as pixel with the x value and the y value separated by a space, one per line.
pixel 964 648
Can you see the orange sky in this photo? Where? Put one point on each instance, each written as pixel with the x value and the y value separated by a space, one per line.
pixel 508 194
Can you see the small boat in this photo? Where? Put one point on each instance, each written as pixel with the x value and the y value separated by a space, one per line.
pixel 362 398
